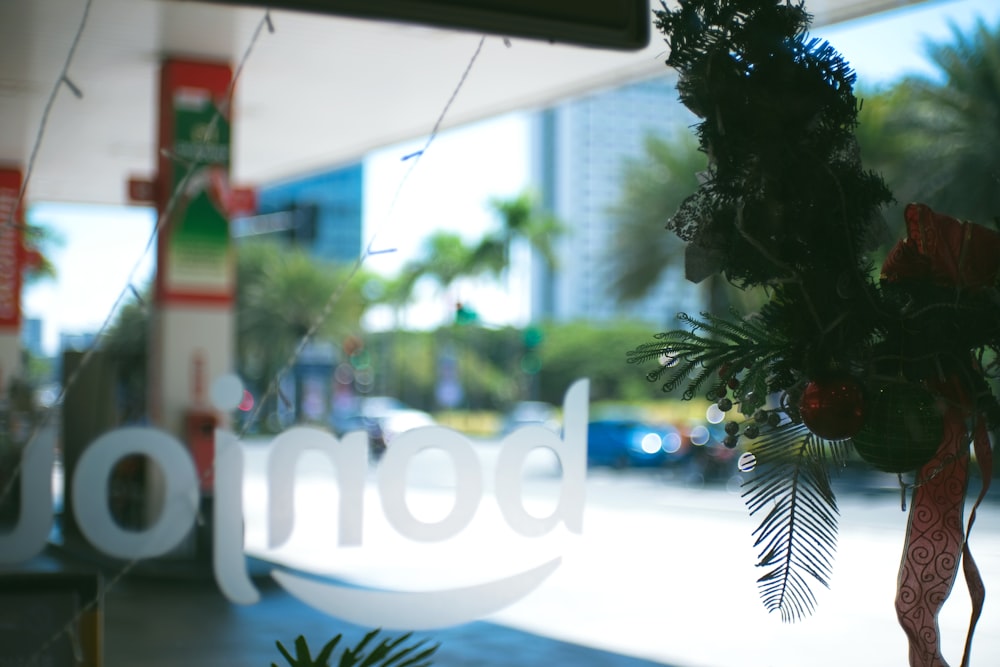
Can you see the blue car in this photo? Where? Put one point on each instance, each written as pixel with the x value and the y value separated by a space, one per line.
pixel 623 443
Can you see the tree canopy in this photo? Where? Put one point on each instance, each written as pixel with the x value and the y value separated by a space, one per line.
pixel 934 137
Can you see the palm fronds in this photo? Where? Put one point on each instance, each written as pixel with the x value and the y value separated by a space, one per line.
pixel 797 536
pixel 384 654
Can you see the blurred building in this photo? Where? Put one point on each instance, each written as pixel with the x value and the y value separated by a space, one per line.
pixel 31 336
pixel 580 147
pixel 77 342
pixel 320 212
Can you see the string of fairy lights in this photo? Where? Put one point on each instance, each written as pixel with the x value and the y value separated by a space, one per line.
pixel 128 290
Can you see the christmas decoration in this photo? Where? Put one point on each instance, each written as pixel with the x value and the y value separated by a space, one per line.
pixel 834 407
pixel 894 367
pixel 902 428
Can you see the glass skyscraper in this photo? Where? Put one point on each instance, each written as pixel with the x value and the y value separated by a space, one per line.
pixel 321 212
pixel 580 148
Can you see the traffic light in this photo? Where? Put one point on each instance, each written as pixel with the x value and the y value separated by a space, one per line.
pixel 305 219
pixel 464 314
pixel 531 360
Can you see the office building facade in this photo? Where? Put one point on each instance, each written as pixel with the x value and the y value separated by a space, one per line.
pixel 580 147
pixel 320 212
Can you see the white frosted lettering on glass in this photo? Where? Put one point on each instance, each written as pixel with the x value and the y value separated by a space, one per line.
pixel 571 449
pixel 349 456
pixel 228 561
pixel 392 482
pixel 401 610
pixel 31 532
pixel 90 493
pixel 350 460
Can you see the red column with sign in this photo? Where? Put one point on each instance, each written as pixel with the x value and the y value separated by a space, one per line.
pixel 11 263
pixel 193 330
pixel 194 263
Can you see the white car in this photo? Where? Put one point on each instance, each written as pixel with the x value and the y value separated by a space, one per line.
pixel 392 416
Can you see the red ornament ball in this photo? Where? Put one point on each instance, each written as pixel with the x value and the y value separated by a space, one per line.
pixel 834 407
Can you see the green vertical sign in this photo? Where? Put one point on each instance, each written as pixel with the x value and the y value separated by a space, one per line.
pixel 199 258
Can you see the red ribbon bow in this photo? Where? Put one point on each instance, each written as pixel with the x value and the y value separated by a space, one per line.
pixel 944 251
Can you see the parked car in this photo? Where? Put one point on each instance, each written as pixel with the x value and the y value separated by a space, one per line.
pixel 709 459
pixel 530 412
pixel 623 443
pixel 383 417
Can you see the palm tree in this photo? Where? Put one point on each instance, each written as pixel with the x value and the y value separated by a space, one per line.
pixel 520 220
pixel 395 292
pixel 653 188
pixel 887 151
pixel 445 258
pixel 38 241
pixel 282 296
pixel 945 130
pixel 951 126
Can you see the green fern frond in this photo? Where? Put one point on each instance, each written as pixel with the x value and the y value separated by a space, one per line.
pixel 383 655
pixel 797 537
pixel 303 658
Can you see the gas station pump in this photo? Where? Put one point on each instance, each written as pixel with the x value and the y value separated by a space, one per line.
pixel 199 435
pixel 200 422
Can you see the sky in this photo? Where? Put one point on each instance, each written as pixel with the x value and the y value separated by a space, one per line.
pixel 103 249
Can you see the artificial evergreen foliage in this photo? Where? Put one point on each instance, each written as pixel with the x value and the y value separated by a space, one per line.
pixel 711 354
pixel 785 193
pixel 786 205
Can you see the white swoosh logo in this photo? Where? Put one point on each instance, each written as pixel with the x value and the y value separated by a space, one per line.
pixel 402 610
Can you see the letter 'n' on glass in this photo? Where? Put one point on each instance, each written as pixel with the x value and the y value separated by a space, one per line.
pixel 350 459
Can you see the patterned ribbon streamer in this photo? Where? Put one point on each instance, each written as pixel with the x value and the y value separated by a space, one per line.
pixel 936 540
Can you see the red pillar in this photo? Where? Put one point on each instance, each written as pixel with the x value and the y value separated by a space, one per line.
pixel 192 337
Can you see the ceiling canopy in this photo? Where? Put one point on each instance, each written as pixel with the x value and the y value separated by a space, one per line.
pixel 317 91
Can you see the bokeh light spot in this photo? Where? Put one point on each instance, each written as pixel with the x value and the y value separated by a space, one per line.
pixel 226 392
pixel 714 415
pixel 651 443
pixel 700 435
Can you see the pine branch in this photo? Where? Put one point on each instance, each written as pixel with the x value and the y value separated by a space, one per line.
pixel 713 347
pixel 785 190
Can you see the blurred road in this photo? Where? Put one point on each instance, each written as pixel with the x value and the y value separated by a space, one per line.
pixel 662 574
pixel 662 571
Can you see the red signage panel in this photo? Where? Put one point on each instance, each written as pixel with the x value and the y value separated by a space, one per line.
pixel 11 250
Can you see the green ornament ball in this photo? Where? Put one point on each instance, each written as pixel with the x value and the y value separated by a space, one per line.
pixel 902 429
